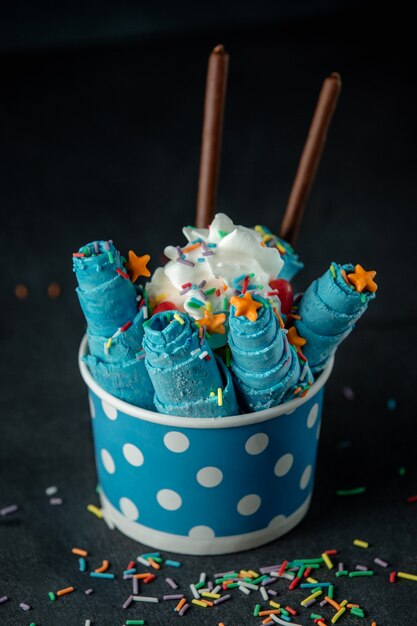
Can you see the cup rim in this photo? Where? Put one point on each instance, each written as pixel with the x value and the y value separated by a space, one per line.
pixel 230 421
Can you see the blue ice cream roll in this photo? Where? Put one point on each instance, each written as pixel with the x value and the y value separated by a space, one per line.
pixel 292 263
pixel 109 301
pixel 266 368
pixel 330 308
pixel 187 378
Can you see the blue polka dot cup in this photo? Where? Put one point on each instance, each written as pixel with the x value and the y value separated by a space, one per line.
pixel 205 485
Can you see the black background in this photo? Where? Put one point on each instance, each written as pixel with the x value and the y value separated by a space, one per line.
pixel 101 140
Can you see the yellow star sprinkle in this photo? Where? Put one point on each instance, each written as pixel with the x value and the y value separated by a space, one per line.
pixel 246 306
pixel 295 339
pixel 213 323
pixel 363 280
pixel 136 266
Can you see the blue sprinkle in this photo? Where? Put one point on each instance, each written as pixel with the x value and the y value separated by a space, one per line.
pixel 173 563
pixel 391 404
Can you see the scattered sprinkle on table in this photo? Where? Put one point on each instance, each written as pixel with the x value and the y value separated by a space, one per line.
pixel 360 544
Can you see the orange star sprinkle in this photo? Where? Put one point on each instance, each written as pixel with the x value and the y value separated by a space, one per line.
pixel 213 323
pixel 363 280
pixel 136 266
pixel 246 306
pixel 295 339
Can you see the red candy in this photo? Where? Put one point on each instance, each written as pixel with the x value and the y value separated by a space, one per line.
pixel 164 306
pixel 286 293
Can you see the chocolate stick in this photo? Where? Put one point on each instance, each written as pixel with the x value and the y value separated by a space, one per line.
pixel 212 135
pixel 310 157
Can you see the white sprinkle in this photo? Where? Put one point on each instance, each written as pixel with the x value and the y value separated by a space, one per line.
pixel 138 298
pixel 303 373
pixel 264 594
pixel 87 622
pixel 196 351
pixel 203 576
pixel 51 491
pixel 248 585
pixel 194 592
pixel 106 350
pixel 244 590
pixel 140 559
pixel 145 312
pixel 145 599
pixel 117 333
pixel 217 589
pixel 284 330
pixel 203 355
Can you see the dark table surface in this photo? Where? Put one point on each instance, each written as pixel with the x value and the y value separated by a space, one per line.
pixel 104 142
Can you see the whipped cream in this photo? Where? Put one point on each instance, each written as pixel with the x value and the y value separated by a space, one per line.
pixel 213 267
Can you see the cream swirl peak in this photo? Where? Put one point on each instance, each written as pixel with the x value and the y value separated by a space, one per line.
pixel 218 262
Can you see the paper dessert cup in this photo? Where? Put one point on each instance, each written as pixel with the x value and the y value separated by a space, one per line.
pixel 205 485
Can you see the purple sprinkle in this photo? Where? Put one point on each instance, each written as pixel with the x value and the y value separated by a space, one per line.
pixel 309 603
pixel 381 562
pixel 9 509
pixel 348 393
pixel 272 592
pixel 184 609
pixel 88 592
pixel 55 501
pixel 361 568
pixel 202 284
pixel 135 586
pixel 208 253
pixel 179 251
pixel 24 606
pixel 185 262
pixel 127 576
pixel 222 599
pixel 171 583
pixel 202 295
pixel 106 245
pixel 3 599
pixel 268 581
pixel 128 602
pixel 96 248
pixel 270 568
pixel 184 291
pixel 210 585
pixel 323 602
pixel 175 596
pixel 204 246
pixel 340 566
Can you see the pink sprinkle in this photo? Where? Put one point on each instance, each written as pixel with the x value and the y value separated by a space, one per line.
pixel 348 393
pixel 9 509
pixel 88 592
pixel 3 599
pixel 171 583
pixel 184 609
pixel 24 606
pixel 381 562
pixel 56 501
pixel 128 602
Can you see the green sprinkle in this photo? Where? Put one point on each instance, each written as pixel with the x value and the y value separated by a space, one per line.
pixel 330 592
pixel 284 611
pixel 210 291
pixel 342 572
pixel 151 555
pixel 145 324
pixel 350 492
pixel 157 559
pixel 363 298
pixel 305 562
pixel 316 616
pixel 368 572
pixel 199 585
pixel 256 610
pixel 193 305
pixel 225 304
pixel 401 471
pixel 301 571
pixel 51 596
pixel 134 622
pixel 222 233
pixel 259 580
pixel 111 259
pixel 357 612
